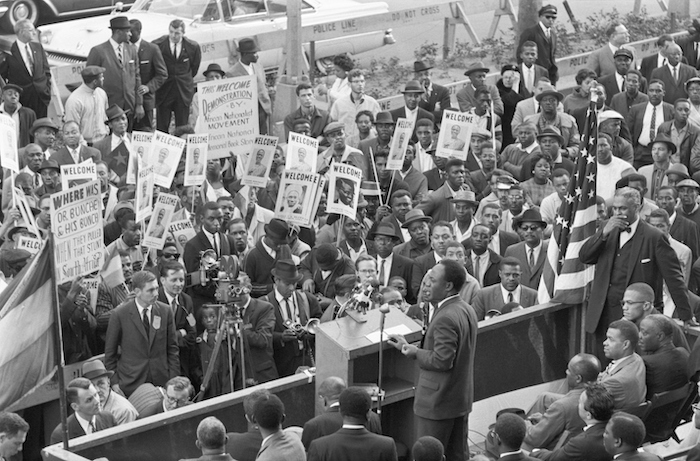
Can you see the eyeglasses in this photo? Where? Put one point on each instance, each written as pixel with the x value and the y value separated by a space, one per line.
pixel 367 271
pixel 171 256
pixel 625 302
pixel 175 400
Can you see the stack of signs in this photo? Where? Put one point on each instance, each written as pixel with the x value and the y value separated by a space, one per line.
pixel 455 134
pixel 298 191
pixel 302 153
pixel 8 144
pixel 162 215
pixel 166 154
pixel 228 111
pixel 196 159
pixel 140 154
pixel 144 193
pixel 183 231
pixel 73 175
pixel 399 144
pixel 344 189
pixel 259 161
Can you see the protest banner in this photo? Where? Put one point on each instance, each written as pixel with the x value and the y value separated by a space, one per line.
pixel 455 134
pixel 144 194
pixel 399 143
pixel 8 144
pixel 30 244
pixel 162 214
pixel 165 156
pixel 302 153
pixel 196 159
pixel 228 111
pixel 92 285
pixel 139 154
pixel 343 189
pixel 76 223
pixel 260 158
pixel 183 231
pixel 73 175
pixel 297 197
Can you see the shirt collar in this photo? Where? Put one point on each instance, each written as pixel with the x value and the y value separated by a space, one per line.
pixel 84 423
pixel 516 293
pixel 169 298
pixel 441 303
pixel 503 455
pixel 353 426
pixel 633 226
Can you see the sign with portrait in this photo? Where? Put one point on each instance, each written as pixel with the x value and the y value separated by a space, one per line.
pixel 344 189
pixel 144 193
pixel 160 220
pixel 297 196
pixel 183 231
pixel 455 134
pixel 8 144
pixel 73 175
pixel 260 158
pixel 399 144
pixel 302 153
pixel 165 156
pixel 139 153
pixel 196 159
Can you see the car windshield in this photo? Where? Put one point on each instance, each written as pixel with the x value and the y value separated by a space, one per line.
pixel 212 10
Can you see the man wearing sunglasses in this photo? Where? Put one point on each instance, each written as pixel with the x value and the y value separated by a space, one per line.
pixel 545 38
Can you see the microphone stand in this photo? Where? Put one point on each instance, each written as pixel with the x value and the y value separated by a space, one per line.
pixel 383 310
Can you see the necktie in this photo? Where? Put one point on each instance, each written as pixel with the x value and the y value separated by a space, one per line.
pixel 510 297
pixel 381 272
pixel 530 79
pixel 477 269
pixel 675 74
pixel 119 54
pixel 216 246
pixel 76 157
pixel 36 180
pixel 622 87
pixel 30 59
pixel 532 257
pixel 175 50
pixel 174 305
pixel 547 33
pixel 91 427
pixel 289 310
pixel 146 322
pixel 652 126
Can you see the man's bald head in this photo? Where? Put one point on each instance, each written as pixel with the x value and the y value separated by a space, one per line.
pixel 331 388
pixel 585 365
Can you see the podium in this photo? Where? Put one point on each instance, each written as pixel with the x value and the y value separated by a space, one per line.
pixel 343 349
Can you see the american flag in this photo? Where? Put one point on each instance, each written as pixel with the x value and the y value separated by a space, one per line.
pixel 564 276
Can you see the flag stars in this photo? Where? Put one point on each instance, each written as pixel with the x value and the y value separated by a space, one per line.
pixel 591 177
pixel 590 159
pixel 569 198
pixel 578 192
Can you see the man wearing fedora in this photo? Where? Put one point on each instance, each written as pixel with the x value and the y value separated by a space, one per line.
pixel 412 92
pixel 44 132
pixel 465 205
pixel 112 402
pixel 115 148
pixel 346 107
pixel 466 97
pixel 122 73
pixel 644 120
pixel 532 251
pixel 73 152
pixel 153 74
pixel 436 98
pixel 544 37
pixel 262 257
pixel 687 140
pixel 212 72
pixel 385 124
pixel 390 264
pixel 24 117
pixel 182 58
pixel 662 150
pixel 417 224
pixel 326 263
pixel 248 65
pixel 307 109
pixel 27 66
pixel 50 172
pixel 87 105
pixel 339 151
pixel 292 306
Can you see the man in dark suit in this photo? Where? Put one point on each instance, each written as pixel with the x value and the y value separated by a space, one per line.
pixel 437 204
pixel 614 82
pixel 211 439
pixel 623 258
pixel 293 347
pixel 400 204
pixel 390 264
pixel 623 102
pixel 83 399
pixel 530 71
pixel 122 72
pixel 153 74
pixel 691 45
pixel 144 330
pixel 601 61
pixel 248 65
pixel 352 441
pixel 331 420
pixel 494 297
pixel 508 435
pixel 244 446
pixel 658 59
pixel 491 214
pixel 532 251
pixel 323 265
pixel 665 363
pixel 674 74
pixel 683 229
pixel 595 408
pixel 277 444
pixel 688 135
pixel 12 108
pixel 28 67
pixel 543 35
pixel 482 262
pixel 441 235
pixel 72 151
pixel 624 434
pixel 445 388
pixel 182 57
pixel 436 97
pixel 641 126
pixel 412 92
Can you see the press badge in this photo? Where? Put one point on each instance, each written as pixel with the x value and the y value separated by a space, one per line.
pixel 156 322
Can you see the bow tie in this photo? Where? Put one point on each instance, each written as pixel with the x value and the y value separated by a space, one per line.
pixel 626 229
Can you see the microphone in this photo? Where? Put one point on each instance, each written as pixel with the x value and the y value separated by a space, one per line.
pixel 384 309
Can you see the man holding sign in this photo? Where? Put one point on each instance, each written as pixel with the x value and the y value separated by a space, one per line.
pixel 412 94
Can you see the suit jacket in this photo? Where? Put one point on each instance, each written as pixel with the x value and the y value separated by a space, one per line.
pixel 435 181
pixel 694 454
pixel 505 240
pixel 517 457
pixel 546 49
pixel 63 157
pixel 445 387
pixel 404 268
pixel 466 99
pixel 191 258
pixel 422 113
pixel 258 323
pixel 491 297
pixel 622 104
pixel 417 183
pixel 124 79
pixel 282 446
pixel 391 219
pixel 587 446
pixel 103 420
pixel 674 90
pixel 635 120
pixel 263 96
pixel 601 61
pixel 181 70
pixel 687 44
pixel 190 364
pixel 437 204
pixel 491 276
pixel 423 264
pixel 644 456
pixel 330 422
pixel 609 82
pixel 144 358
pixel 37 85
pixel 648 65
pixel 220 457
pixel 353 445
pixel 244 446
pixel 666 369
pixel 626 382
pixel 686 231
pixel 27 117
pixel 531 275
pixel 689 151
pixel 153 71
pixel 539 72
pixel 654 256
pixel 436 102
pixel 561 415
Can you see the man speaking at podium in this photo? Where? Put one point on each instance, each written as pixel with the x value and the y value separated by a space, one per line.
pixel 445 388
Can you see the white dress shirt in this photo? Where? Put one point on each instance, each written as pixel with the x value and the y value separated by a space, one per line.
pixel 627 236
pixel 516 294
pixel 644 139
pixel 388 261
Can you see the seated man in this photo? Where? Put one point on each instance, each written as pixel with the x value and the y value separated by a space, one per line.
pixel 277 444
pixel 494 297
pixel 623 436
pixel 111 402
pixel 595 409
pixel 625 377
pixel 665 363
pixel 245 446
pixel 552 413
pixel 331 420
pixel 508 435
pixel 211 439
pixel 178 392
pixel 85 402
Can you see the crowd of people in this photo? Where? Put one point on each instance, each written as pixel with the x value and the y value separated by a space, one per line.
pixel 447 241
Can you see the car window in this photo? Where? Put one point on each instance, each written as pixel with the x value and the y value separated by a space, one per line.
pixel 280 6
pixel 186 9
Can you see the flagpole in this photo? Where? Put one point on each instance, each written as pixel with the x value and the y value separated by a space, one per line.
pixel 376 177
pixel 58 346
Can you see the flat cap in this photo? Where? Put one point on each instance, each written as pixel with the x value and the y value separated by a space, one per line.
pixel 91 71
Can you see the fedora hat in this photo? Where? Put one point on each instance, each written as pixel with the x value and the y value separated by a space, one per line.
pixel 119 22
pixel 551 131
pixel 476 67
pixel 552 92
pixel 415 215
pixel 666 140
pixel 465 196
pixel 247 45
pixel 114 111
pixel 420 66
pixel 385 229
pixel 384 117
pixel 214 67
pixel 44 122
pixel 94 369
pixel 529 215
pixel 678 169
pixel 277 230
pixel 286 270
pixel 412 86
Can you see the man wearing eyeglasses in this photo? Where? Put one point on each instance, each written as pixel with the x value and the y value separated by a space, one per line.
pixel 545 38
pixel 178 391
